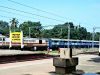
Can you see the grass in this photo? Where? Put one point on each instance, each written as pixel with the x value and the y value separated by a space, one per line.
pixel 54 52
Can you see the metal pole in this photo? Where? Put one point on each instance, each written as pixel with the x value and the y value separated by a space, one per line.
pixel 10 44
pixel 93 37
pixel 14 26
pixel 29 32
pixel 61 33
pixel 22 45
pixel 99 44
pixel 68 35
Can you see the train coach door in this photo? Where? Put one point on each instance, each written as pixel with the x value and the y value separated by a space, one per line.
pixel 40 41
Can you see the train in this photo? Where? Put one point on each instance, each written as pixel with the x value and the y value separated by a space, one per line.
pixel 28 43
pixel 44 43
pixel 65 43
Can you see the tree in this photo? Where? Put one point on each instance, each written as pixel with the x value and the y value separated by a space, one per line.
pixel 97 36
pixel 60 30
pixel 35 28
pixel 14 22
pixel 82 33
pixel 47 33
pixel 89 36
pixel 56 31
pixel 4 27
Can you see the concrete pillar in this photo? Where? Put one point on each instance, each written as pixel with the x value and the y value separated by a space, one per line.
pixel 65 64
pixel 65 53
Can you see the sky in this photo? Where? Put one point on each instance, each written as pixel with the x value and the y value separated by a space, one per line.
pixel 83 12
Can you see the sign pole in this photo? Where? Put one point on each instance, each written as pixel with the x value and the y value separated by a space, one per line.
pixel 22 40
pixel 10 40
pixel 99 46
pixel 16 38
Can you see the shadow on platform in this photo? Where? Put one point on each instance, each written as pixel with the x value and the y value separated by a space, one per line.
pixel 96 60
pixel 22 58
pixel 77 72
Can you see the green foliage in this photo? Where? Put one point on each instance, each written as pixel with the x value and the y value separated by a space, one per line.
pixel 76 32
pixel 58 31
pixel 89 36
pixel 97 36
pixel 35 28
pixel 4 28
pixel 47 33
pixel 82 33
pixel 14 24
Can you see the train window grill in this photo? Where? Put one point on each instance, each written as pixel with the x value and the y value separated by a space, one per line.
pixel 29 40
pixel 60 43
pixel 46 40
pixel 75 43
pixel 57 43
pixel 32 40
pixel 0 39
pixel 72 43
pixel 52 43
pixel 65 43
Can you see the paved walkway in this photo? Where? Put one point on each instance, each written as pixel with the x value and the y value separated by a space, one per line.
pixel 38 67
pixel 87 63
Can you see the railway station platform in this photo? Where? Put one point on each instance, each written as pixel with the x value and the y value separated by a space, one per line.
pixel 8 56
pixel 9 52
pixel 88 63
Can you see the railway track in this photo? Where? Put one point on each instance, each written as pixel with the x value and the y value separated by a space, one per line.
pixel 23 57
pixel 10 56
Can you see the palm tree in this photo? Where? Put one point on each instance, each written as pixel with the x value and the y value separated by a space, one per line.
pixel 14 23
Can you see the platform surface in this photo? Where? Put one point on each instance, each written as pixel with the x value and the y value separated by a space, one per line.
pixel 87 64
pixel 8 52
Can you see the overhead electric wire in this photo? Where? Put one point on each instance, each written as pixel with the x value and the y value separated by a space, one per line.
pixel 5 16
pixel 36 26
pixel 8 17
pixel 16 14
pixel 19 14
pixel 30 13
pixel 36 9
pixel 12 17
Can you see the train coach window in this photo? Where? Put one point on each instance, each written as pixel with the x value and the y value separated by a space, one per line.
pixel 40 41
pixel 46 40
pixel 0 39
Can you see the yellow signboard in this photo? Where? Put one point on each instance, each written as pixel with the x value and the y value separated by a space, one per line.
pixel 16 37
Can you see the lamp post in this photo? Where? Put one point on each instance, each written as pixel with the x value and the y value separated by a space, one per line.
pixel 29 32
pixel 99 46
pixel 68 35
pixel 60 33
pixel 94 28
pixel 93 37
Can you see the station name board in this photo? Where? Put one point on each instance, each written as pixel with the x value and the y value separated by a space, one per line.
pixel 16 37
